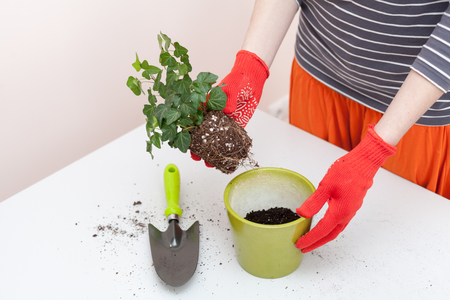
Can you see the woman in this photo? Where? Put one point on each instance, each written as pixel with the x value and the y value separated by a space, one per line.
pixel 369 76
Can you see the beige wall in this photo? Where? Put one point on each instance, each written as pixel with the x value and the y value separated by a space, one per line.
pixel 64 64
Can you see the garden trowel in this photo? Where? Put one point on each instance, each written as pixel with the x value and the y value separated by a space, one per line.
pixel 174 251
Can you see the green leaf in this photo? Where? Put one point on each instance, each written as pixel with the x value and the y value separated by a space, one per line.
pixel 173 68
pixel 185 121
pixel 146 75
pixel 160 41
pixel 201 89
pixel 197 98
pixel 149 70
pixel 185 59
pixel 207 77
pixel 179 50
pixel 167 60
pixel 149 129
pixel 150 126
pixel 149 111
pixel 217 99
pixel 204 82
pixel 135 85
pixel 169 132
pixel 176 100
pixel 167 41
pixel 171 77
pixel 182 69
pixel 144 64
pixel 156 139
pixel 153 70
pixel 137 64
pixel 187 109
pixel 182 86
pixel 162 90
pixel 149 148
pixel 185 98
pixel 156 84
pixel 172 115
pixel 183 140
pixel 151 98
pixel 170 97
pixel 199 117
pixel 155 122
pixel 160 112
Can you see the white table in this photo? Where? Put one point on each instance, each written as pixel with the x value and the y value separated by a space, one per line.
pixel 395 248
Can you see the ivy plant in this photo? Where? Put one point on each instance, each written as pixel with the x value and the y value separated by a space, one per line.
pixel 183 101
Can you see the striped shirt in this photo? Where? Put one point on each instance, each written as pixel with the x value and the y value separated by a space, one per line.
pixel 364 49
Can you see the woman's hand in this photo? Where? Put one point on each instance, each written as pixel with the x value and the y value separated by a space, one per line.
pixel 243 87
pixel 344 188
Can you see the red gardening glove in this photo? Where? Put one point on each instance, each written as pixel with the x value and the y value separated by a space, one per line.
pixel 243 87
pixel 198 158
pixel 344 188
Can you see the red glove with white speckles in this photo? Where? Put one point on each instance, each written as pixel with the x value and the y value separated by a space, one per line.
pixel 243 87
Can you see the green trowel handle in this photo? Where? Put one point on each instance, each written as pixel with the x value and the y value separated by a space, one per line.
pixel 172 187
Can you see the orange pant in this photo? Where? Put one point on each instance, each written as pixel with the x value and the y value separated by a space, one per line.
pixel 422 154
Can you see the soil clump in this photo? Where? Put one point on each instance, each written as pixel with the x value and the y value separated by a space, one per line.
pixel 222 143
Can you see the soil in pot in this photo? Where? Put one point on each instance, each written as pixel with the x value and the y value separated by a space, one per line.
pixel 222 143
pixel 272 216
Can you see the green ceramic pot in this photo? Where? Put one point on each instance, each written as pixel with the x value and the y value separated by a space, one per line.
pixel 267 251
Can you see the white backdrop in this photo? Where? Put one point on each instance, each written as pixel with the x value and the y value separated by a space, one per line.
pixel 64 65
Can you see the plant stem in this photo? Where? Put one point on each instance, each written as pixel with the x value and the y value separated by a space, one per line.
pixel 188 128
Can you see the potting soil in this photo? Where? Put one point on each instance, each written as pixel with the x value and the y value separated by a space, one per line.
pixel 272 216
pixel 222 143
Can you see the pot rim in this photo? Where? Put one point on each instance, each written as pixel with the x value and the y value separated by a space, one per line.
pixel 265 226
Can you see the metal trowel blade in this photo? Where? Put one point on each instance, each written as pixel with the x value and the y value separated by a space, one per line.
pixel 175 252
